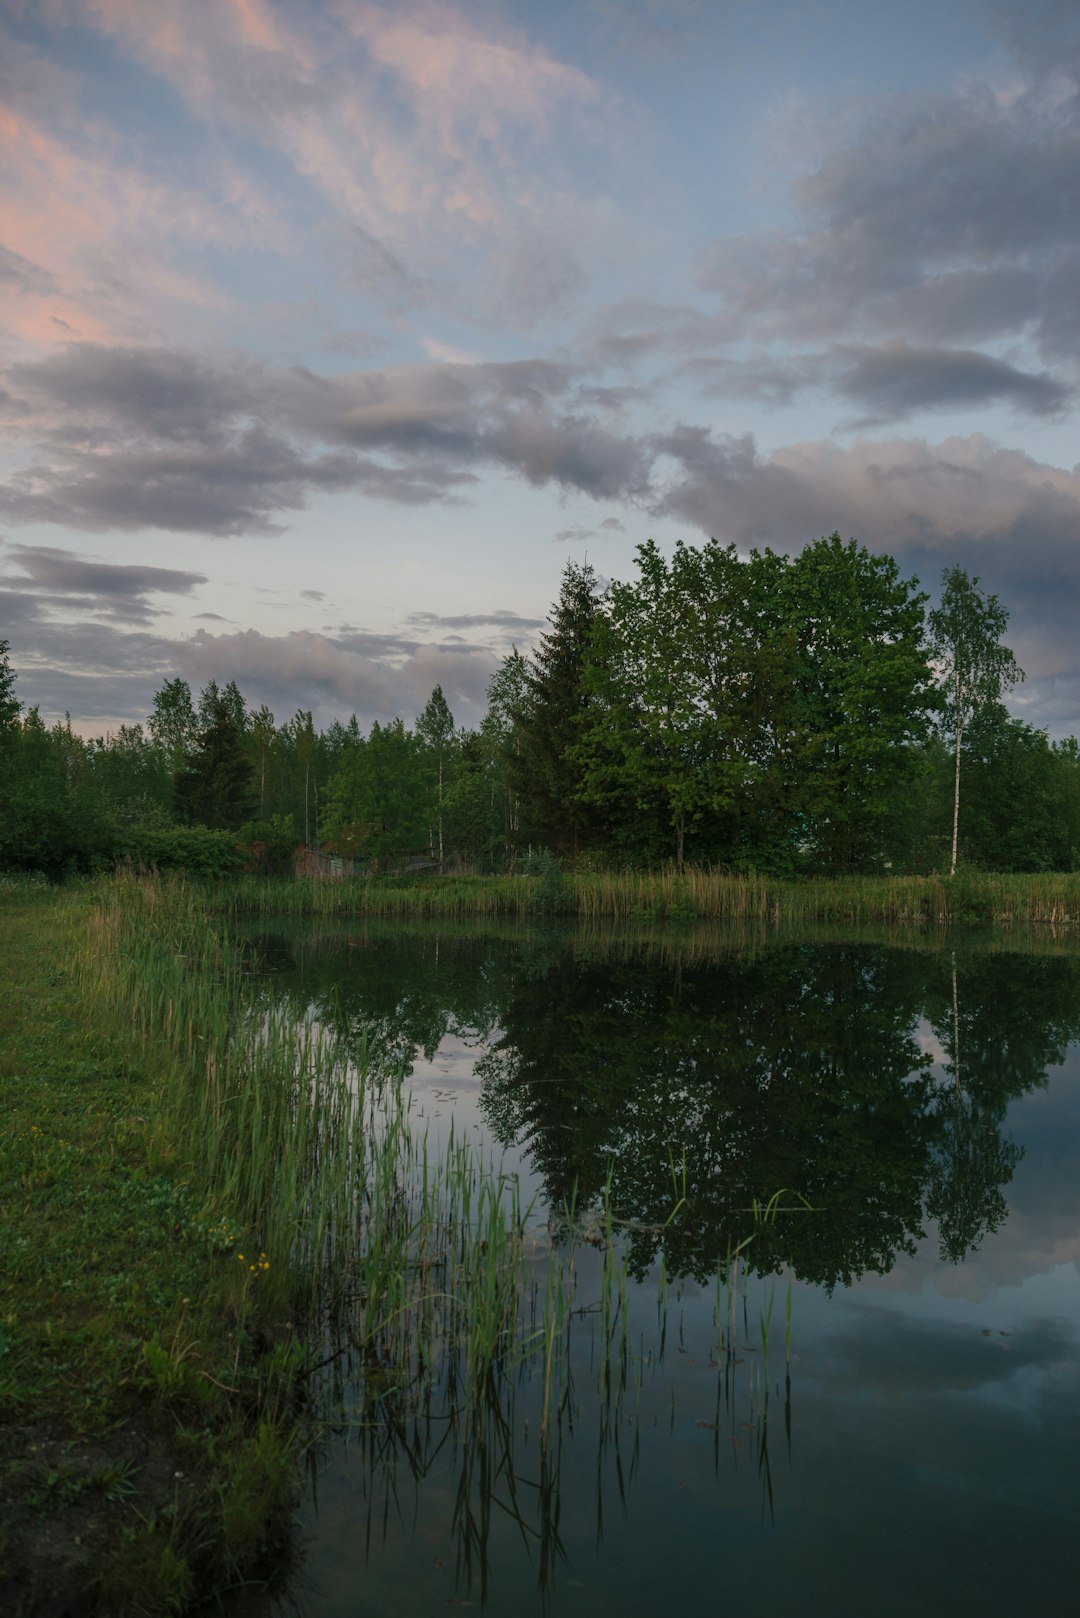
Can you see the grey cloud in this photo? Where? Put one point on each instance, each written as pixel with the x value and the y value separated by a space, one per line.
pixel 313 595
pixel 100 673
pixel 369 644
pixel 573 536
pixel 890 382
pixel 267 439
pixel 923 192
pixel 375 267
pixel 1044 35
pixel 310 671
pixel 502 619
pixel 763 380
pixel 64 571
pixel 895 380
pixel 17 609
pixel 60 580
pixel 539 278
pixel 236 489
pixel 613 525
pixel 150 392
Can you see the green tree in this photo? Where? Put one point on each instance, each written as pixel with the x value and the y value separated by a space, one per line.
pixel 132 777
pixel 976 669
pixel 10 706
pixel 862 694
pixel 677 677
pixel 216 787
pixel 262 733
pixel 375 803
pixel 435 736
pixel 546 769
pixel 173 722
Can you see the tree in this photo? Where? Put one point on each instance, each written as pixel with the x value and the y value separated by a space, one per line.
pixel 375 805
pixel 863 692
pixel 546 768
pixel 10 705
pixel 216 787
pixel 173 723
pixel 262 732
pixel 976 669
pixel 435 734
pixel 673 683
pixel 500 730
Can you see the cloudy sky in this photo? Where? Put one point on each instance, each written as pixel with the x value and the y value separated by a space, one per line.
pixel 331 329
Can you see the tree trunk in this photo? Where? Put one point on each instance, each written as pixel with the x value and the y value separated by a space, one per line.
pixel 956 791
pixel 440 814
pixel 680 834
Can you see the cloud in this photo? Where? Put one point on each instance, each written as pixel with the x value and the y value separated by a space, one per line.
pixel 947 216
pixel 502 619
pixel 60 578
pixel 896 380
pixel 156 438
pixel 98 243
pixel 416 125
pixel 376 679
pixel 889 382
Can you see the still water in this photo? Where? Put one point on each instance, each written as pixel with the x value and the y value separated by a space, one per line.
pixel 896 1426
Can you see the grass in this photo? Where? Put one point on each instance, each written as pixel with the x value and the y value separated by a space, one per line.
pixel 207 1203
pixel 121 1320
pixel 969 898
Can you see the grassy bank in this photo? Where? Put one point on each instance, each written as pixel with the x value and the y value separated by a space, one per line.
pixel 145 1426
pixel 969 898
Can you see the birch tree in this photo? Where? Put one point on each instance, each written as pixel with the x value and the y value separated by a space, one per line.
pixel 976 669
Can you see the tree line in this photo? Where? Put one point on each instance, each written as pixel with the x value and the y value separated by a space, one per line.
pixel 789 715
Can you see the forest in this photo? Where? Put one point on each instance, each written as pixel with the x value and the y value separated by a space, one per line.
pixel 802 715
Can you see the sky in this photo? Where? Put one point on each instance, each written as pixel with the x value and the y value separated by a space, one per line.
pixel 330 330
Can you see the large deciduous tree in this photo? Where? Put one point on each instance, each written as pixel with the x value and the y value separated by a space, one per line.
pixel 673 678
pixel 976 669
pixel 863 692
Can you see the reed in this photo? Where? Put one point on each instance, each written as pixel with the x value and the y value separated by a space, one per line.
pixel 969 898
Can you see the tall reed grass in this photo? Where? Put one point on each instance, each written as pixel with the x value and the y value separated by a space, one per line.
pixel 695 893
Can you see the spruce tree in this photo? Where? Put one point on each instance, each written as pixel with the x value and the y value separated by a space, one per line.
pixel 217 788
pixel 548 774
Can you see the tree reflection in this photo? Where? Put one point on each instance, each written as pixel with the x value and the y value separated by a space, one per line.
pixel 871 1080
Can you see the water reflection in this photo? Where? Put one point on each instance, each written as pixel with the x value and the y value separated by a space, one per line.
pixel 871 1080
pixel 925 1405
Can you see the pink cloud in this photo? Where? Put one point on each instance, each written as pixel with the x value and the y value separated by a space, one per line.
pixel 412 122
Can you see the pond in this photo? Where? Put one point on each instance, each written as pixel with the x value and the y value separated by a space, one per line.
pixel 877 1407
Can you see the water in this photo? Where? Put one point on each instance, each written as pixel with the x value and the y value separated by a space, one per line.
pixel 918 1446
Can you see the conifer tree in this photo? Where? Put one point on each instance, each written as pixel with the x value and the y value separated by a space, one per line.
pixel 547 774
